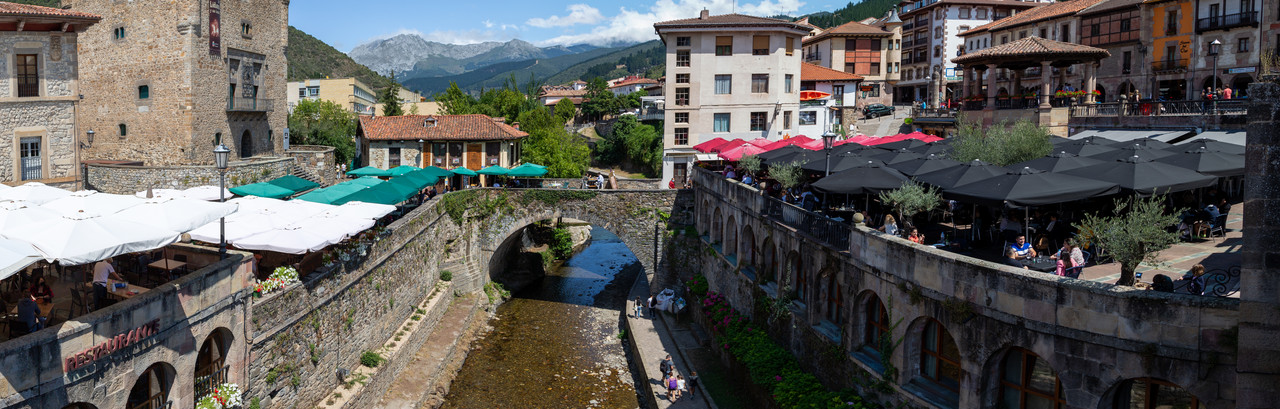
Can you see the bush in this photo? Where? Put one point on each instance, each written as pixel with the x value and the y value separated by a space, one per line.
pixel 371 359
pixel 1001 144
pixel 561 243
pixel 446 275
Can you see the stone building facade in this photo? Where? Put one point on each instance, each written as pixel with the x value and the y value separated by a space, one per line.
pixel 444 141
pixel 38 92
pixel 870 51
pixel 170 80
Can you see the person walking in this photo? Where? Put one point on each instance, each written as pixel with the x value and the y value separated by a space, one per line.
pixel 651 301
pixel 681 385
pixel 673 388
pixel 693 384
pixel 667 367
pixel 639 303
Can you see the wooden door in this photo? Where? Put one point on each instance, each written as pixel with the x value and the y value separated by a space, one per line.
pixel 475 156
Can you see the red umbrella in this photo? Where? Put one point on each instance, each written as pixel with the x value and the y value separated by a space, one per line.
pixel 798 140
pixel 761 142
pixel 860 139
pixel 707 146
pixel 743 149
pixel 815 144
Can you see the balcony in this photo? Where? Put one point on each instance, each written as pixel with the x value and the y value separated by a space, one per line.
pixel 1169 65
pixel 908 25
pixel 1248 18
pixel 241 104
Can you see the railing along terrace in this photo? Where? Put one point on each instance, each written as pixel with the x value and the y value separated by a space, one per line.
pixel 1016 103
pixel 820 227
pixel 249 104
pixel 1217 282
pixel 975 105
pixel 209 378
pixel 932 113
pixel 1100 109
pixel 1227 21
pixel 1226 107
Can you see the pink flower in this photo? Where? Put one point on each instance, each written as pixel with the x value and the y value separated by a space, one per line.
pixel 777 378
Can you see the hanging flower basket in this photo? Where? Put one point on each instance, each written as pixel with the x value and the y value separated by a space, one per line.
pixel 224 396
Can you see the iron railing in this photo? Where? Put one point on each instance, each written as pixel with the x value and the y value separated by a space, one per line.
pixel 1248 18
pixel 1224 108
pixel 932 113
pixel 975 105
pixel 1017 103
pixel 1169 65
pixel 210 377
pixel 241 104
pixel 1217 282
pixel 821 228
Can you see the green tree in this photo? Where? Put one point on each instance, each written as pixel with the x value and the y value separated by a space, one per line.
pixel 565 111
pixel 599 101
pixel 632 100
pixel 788 174
pixel 454 101
pixel 750 163
pixel 390 100
pixel 644 145
pixel 911 199
pixel 320 122
pixel 548 144
pixel 1135 233
pixel 1001 144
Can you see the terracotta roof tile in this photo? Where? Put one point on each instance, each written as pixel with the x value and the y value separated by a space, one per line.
pixel 1109 5
pixel 633 81
pixel 730 20
pixel 561 91
pixel 1009 3
pixel 15 9
pixel 979 29
pixel 812 72
pixel 447 128
pixel 1032 47
pixel 852 28
pixel 1045 12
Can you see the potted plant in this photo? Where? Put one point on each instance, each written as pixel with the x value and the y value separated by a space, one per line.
pixel 224 396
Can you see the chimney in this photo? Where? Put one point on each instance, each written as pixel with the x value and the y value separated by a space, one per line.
pixel 429 123
pixel 515 125
pixel 704 14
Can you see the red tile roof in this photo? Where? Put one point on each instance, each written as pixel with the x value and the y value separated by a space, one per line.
pixel 852 28
pixel 1052 10
pixel 25 10
pixel 980 29
pixel 812 72
pixel 446 128
pixel 561 91
pixel 730 20
pixel 1033 48
pixel 634 81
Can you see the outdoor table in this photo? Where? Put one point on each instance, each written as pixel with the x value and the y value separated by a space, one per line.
pixel 45 308
pixel 1041 264
pixel 167 265
pixel 128 292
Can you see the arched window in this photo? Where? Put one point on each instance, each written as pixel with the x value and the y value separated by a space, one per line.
pixel 939 357
pixel 716 226
pixel 876 323
pixel 151 390
pixel 246 144
pixel 802 281
pixel 792 273
pixel 211 368
pixel 124 130
pixel 730 237
pixel 704 223
pixel 1147 393
pixel 768 261
pixel 748 246
pixel 80 405
pixel 1027 381
pixel 835 300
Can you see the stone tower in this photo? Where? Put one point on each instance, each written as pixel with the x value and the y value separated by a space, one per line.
pixel 164 82
pixel 1258 377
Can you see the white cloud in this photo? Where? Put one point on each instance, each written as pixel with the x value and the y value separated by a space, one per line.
pixel 578 14
pixel 487 24
pixel 635 26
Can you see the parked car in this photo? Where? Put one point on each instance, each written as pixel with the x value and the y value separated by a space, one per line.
pixel 876 110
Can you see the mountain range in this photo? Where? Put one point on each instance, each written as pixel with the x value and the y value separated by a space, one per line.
pixel 410 56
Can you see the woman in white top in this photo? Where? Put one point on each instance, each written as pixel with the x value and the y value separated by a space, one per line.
pixel 890 226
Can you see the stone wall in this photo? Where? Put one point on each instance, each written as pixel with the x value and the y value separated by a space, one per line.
pixel 127 180
pixel 49 116
pixel 1259 382
pixel 1093 335
pixel 320 161
pixel 185 313
pixel 576 183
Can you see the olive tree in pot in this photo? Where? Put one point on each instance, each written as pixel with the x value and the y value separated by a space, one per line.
pixel 1135 234
pixel 911 199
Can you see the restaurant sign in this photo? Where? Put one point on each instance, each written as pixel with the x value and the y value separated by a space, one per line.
pixel 116 343
pixel 1241 70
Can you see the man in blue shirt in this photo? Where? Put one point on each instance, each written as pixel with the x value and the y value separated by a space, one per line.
pixel 1021 249
pixel 29 313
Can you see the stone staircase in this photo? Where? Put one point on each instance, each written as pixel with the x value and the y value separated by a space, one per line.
pixel 297 170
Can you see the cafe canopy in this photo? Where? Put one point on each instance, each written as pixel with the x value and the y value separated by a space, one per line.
pixel 402 169
pixel 368 171
pixel 294 183
pixel 528 170
pixel 493 170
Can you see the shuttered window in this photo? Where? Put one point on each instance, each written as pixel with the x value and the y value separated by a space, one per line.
pixel 724 45
pixel 760 45
pixel 791 45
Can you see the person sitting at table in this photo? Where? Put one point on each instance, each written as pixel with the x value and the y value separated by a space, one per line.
pixel 1011 258
pixel 729 173
pixel 915 236
pixel 41 290
pixel 1070 252
pixel 1022 250
pixel 746 179
pixel 29 313
pixel 102 271
pixel 890 225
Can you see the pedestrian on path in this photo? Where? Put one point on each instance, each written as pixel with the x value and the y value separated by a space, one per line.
pixel 637 307
pixel 693 384
pixel 673 388
pixel 651 306
pixel 682 387
pixel 666 367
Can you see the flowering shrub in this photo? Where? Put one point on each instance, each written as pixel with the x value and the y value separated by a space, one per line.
pixel 770 365
pixel 225 396
pixel 282 277
pixel 1069 94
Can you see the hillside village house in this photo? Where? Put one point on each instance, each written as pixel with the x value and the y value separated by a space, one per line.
pixel 870 52
pixel 1054 21
pixel 446 141
pixel 350 93
pixel 164 82
pixel 631 84
pixel 549 95
pixel 728 76
pixel 833 112
pixel 38 92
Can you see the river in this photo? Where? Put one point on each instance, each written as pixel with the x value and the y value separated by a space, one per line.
pixel 556 343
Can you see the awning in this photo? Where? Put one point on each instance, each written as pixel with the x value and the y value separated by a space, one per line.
pixel 463 171
pixel 368 171
pixel 403 169
pixel 294 183
pixel 330 194
pixel 494 170
pixel 527 170
pixel 262 190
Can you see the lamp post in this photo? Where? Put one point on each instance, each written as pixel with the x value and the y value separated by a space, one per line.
pixel 1213 50
pixel 220 154
pixel 828 139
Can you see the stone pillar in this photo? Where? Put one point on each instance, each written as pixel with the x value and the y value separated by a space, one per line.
pixel 977 82
pixel 1090 81
pixel 1046 77
pixel 1258 375
pixel 965 84
pixel 1017 84
pixel 991 86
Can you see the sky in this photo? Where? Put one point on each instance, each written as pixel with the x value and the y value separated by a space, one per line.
pixel 345 24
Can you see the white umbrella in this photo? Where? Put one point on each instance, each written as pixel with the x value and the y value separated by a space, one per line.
pixel 33 192
pixel 336 227
pixel 155 193
pixel 206 193
pixel 245 222
pixel 91 202
pixel 361 210
pixel 80 239
pixel 16 217
pixel 15 255
pixel 181 215
pixel 297 239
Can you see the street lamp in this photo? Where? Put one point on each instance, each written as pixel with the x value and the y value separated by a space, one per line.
pixel 1213 50
pixel 220 154
pixel 929 93
pixel 828 139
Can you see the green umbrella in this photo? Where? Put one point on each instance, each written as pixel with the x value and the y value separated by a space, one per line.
pixel 380 194
pixel 406 187
pixel 527 170
pixel 332 193
pixel 463 171
pixel 420 178
pixel 494 170
pixel 366 181
pixel 434 171
pixel 533 164
pixel 400 170
pixel 262 190
pixel 368 171
pixel 294 183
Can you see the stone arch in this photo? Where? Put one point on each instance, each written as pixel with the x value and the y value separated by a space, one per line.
pixel 730 237
pixel 933 358
pixel 1211 81
pixel 1102 92
pixel 211 369
pixel 747 247
pixel 246 144
pixel 833 305
pixel 768 261
pixel 1148 393
pixel 795 275
pixel 704 219
pixel 1019 373
pixel 717 226
pixel 1126 87
pixel 80 405
pixel 152 386
pixel 1240 85
pixel 638 241
pixel 872 322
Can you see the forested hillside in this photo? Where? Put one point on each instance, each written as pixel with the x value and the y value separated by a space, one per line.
pixel 310 58
pixel 46 3
pixel 647 59
pixel 852 12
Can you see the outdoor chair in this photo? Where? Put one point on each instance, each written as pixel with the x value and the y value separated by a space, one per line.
pixel 1219 224
pixel 79 305
pixel 1074 272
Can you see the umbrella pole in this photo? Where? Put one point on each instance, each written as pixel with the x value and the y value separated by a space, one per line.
pixel 1026 222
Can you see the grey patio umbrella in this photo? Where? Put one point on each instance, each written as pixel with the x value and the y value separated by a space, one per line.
pixel 866 178
pixel 1209 144
pixel 799 154
pixel 964 174
pixel 1147 142
pixel 903 144
pixel 1031 187
pixel 940 148
pixel 785 150
pixel 1208 162
pixel 1144 176
pixel 1058 162
pixel 895 156
pixel 1125 152
pixel 838 162
pixel 918 166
